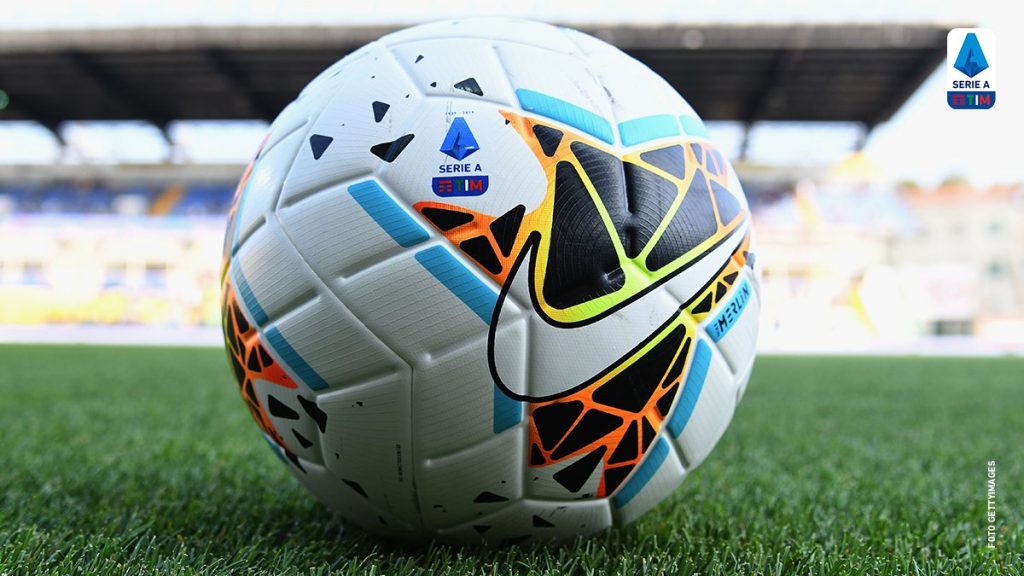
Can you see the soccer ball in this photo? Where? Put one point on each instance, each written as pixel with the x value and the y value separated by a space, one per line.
pixel 489 280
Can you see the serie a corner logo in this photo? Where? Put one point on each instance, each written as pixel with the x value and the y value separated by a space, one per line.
pixel 971 68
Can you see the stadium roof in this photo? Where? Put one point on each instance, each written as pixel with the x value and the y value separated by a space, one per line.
pixel 850 73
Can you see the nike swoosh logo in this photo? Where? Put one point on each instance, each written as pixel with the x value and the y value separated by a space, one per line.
pixel 566 358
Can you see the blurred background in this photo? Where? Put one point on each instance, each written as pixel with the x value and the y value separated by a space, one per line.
pixel 886 222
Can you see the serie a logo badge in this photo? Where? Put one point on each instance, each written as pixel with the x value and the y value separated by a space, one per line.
pixel 970 68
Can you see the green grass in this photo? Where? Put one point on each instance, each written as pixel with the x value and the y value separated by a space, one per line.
pixel 133 460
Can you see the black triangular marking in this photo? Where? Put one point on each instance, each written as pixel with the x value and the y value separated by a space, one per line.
pixel 481 528
pixel 379 110
pixel 315 413
pixel 554 420
pixel 549 138
pixel 265 358
pixel 636 198
pixel 319 143
pixel 279 409
pixel 506 227
pixel 433 84
pixel 670 159
pixel 355 486
pixel 730 278
pixel 693 222
pixel 418 58
pixel 632 388
pixel 388 151
pixel 254 361
pixel 539 522
pixel 665 402
pixel 479 248
pixel 575 475
pixel 303 441
pixel 594 425
pixel 648 435
pixel 728 206
pixel 677 367
pixel 582 262
pixel 614 476
pixel 697 151
pixel 536 456
pixel 446 219
pixel 627 447
pixel 720 291
pixel 469 85
pixel 294 459
pixel 486 497
pixel 704 306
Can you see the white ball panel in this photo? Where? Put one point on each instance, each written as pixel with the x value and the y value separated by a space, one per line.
pixel 437 66
pixel 408 308
pixel 335 236
pixel 711 414
pixel 563 76
pixel 538 520
pixel 632 90
pixel 335 344
pixel 264 184
pixel 351 507
pixel 742 379
pixel 453 397
pixel 367 441
pixel 348 119
pixel 270 267
pixel 472 483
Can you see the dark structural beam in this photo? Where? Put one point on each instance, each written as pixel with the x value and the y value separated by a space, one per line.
pixel 801 72
pixel 144 109
pixel 220 61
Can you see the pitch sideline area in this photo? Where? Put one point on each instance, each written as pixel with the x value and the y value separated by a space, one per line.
pixel 133 460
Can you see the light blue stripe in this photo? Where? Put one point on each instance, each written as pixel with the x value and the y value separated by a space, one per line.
pixel 459 280
pixel 694 127
pixel 274 447
pixel 727 316
pixel 294 360
pixel 507 411
pixel 648 128
pixel 643 474
pixel 259 315
pixel 691 389
pixel 567 113
pixel 387 214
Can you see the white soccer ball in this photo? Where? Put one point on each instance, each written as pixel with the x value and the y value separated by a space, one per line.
pixel 489 280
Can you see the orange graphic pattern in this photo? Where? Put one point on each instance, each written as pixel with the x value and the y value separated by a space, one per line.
pixel 251 361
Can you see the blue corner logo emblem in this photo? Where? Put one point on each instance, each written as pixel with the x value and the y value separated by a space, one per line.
pixel 971 60
pixel 459 142
pixel 971 68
